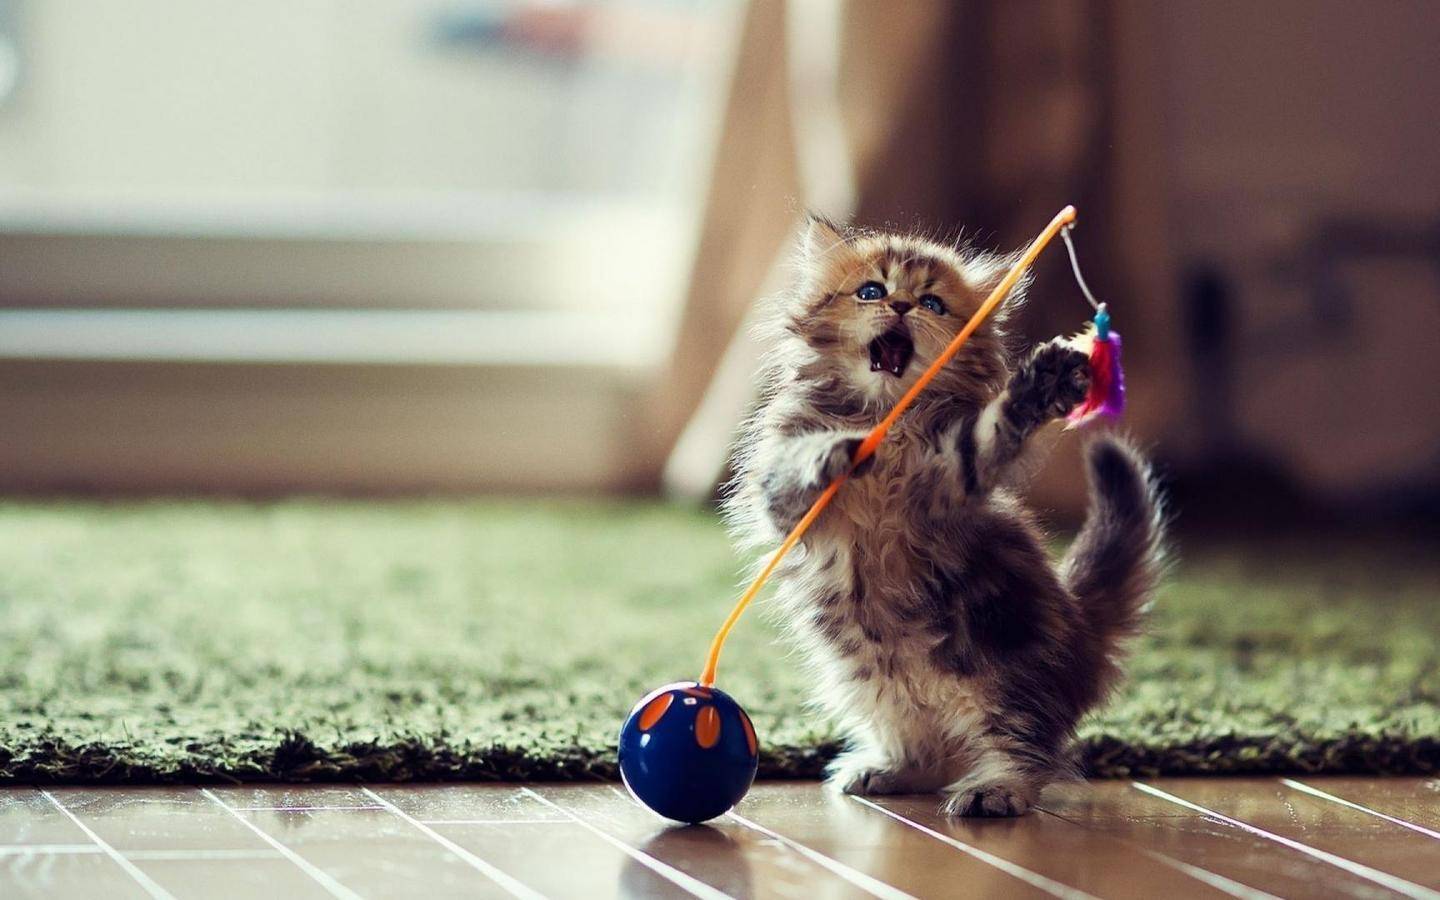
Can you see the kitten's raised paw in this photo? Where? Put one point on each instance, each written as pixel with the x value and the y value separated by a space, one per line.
pixel 1062 375
pixel 991 800
pixel 1048 385
pixel 1066 372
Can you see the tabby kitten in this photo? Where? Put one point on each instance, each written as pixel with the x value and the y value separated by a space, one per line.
pixel 953 653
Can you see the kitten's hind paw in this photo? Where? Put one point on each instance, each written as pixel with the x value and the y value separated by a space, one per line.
pixel 871 782
pixel 991 800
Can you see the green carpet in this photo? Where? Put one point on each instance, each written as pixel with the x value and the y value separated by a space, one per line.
pixel 168 641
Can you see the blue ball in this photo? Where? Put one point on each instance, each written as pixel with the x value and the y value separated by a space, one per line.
pixel 688 752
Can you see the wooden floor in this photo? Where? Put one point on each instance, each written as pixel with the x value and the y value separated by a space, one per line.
pixel 1168 838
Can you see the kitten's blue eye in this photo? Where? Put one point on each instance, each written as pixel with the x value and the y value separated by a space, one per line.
pixel 871 290
pixel 933 303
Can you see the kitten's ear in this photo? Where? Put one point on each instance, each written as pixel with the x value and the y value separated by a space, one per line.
pixel 985 271
pixel 820 238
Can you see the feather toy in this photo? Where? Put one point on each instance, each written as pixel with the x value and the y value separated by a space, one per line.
pixel 1106 396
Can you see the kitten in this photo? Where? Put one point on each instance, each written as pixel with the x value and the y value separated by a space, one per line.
pixel 953 653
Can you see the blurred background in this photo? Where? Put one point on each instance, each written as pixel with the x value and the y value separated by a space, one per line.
pixel 429 246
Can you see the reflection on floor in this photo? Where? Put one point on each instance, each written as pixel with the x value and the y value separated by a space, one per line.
pixel 1291 837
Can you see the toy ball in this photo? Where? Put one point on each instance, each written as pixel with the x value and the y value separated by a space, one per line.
pixel 688 752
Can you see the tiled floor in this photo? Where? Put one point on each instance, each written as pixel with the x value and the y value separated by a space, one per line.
pixel 1168 838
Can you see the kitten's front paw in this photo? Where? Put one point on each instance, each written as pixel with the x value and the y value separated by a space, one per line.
pixel 1049 384
pixel 839 459
pixel 1062 376
pixel 990 800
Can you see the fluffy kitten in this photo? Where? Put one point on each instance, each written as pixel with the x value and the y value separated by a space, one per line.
pixel 955 655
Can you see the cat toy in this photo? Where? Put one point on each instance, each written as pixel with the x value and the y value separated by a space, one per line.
pixel 688 751
pixel 1106 395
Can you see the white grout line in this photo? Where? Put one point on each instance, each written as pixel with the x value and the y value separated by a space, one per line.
pixel 132 855
pixel 184 855
pixel 1316 792
pixel 48 849
pixel 1219 882
pixel 513 886
pixel 299 808
pixel 1384 879
pixel 495 821
pixel 870 885
pixel 1035 879
pixel 145 881
pixel 664 870
pixel 325 880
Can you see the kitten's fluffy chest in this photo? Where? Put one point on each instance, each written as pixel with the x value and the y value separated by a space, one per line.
pixel 863 598
pixel 861 572
pixel 875 513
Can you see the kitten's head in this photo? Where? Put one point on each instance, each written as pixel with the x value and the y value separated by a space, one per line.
pixel 876 309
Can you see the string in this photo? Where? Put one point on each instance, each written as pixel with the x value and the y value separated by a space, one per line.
pixel 1063 219
pixel 1075 267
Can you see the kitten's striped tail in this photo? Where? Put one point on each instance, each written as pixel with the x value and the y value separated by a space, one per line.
pixel 1116 561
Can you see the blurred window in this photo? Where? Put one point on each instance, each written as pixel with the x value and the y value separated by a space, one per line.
pixel 541 159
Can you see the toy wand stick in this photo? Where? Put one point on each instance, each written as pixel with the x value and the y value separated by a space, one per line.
pixel 1063 219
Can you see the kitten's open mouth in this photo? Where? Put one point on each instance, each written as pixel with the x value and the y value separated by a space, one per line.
pixel 891 351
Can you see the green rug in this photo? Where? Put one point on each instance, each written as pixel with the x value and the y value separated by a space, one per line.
pixel 148 642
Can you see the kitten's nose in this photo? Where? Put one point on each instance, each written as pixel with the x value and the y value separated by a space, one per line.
pixel 901 307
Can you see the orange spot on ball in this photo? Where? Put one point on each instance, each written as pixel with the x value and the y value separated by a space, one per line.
pixel 654 710
pixel 707 727
pixel 749 733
